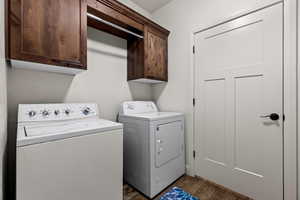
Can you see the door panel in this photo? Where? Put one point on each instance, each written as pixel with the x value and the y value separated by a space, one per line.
pixel 234 41
pixel 156 55
pixel 168 141
pixel 238 79
pixel 44 23
pixel 44 32
pixel 248 127
pixel 214 124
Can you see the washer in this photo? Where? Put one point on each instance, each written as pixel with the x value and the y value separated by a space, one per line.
pixel 65 152
pixel 153 146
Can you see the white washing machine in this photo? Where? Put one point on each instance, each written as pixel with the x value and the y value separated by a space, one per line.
pixel 65 152
pixel 153 146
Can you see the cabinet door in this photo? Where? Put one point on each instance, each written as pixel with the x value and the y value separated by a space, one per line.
pixel 48 31
pixel 156 48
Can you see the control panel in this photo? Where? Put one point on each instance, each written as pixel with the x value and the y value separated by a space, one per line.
pixel 53 112
pixel 135 107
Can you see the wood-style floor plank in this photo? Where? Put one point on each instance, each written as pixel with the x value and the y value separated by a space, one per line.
pixel 198 187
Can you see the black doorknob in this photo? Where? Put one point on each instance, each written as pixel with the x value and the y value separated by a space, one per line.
pixel 273 116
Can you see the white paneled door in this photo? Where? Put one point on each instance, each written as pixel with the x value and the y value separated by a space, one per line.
pixel 239 104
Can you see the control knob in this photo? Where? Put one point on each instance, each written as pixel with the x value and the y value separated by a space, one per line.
pixel 67 111
pixel 45 113
pixel 32 113
pixel 56 112
pixel 86 111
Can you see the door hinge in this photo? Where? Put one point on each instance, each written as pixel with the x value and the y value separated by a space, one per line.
pixel 194 49
pixel 194 102
pixel 283 117
pixel 194 154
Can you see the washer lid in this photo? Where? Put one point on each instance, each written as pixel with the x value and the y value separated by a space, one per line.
pixel 154 115
pixel 44 132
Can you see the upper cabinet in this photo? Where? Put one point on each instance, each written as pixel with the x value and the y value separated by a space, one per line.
pixel 54 33
pixel 148 58
pixel 147 41
pixel 51 32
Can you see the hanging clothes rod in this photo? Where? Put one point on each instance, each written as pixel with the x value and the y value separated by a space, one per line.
pixel 114 25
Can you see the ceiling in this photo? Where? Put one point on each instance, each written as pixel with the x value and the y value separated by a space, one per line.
pixel 151 5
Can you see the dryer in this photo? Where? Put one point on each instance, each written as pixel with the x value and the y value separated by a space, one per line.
pixel 154 150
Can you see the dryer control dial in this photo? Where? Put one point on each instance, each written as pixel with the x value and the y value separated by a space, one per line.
pixel 67 111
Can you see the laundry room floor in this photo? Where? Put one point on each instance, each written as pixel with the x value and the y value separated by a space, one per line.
pixel 198 187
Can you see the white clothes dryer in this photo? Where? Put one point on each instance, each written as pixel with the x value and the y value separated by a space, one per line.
pixel 154 150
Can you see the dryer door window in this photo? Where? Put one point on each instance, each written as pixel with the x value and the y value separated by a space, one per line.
pixel 169 141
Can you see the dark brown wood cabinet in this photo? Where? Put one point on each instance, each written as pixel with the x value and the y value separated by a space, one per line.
pixel 156 55
pixel 54 32
pixel 147 57
pixel 49 32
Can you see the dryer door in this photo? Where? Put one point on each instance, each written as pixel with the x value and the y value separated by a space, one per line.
pixel 169 142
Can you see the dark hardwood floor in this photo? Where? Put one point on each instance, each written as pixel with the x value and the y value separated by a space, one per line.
pixel 198 187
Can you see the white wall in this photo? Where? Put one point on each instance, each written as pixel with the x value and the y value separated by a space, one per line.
pixel 181 18
pixel 3 106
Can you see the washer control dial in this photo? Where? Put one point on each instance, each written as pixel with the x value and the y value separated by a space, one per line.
pixel 45 113
pixel 31 113
pixel 56 112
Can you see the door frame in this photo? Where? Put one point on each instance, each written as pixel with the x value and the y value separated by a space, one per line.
pixel 291 72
